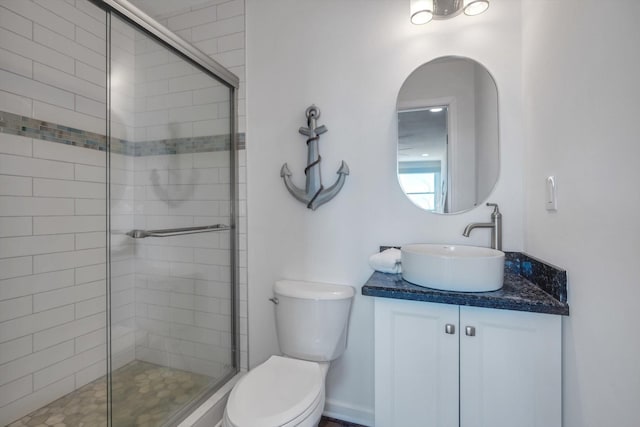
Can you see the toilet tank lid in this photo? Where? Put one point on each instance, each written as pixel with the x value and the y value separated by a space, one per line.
pixel 313 290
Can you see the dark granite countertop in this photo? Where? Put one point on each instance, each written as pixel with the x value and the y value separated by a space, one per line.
pixel 529 285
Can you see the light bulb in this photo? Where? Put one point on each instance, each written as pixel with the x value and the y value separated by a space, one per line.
pixel 475 7
pixel 421 11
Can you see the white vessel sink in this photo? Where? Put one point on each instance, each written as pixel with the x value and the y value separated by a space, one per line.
pixel 456 268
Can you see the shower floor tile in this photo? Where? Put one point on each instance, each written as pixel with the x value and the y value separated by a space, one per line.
pixel 144 395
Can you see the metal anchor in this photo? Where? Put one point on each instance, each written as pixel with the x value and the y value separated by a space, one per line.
pixel 314 194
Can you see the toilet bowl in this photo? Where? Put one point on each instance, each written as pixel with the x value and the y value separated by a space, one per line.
pixel 289 390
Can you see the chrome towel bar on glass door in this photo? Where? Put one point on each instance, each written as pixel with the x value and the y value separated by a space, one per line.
pixel 168 232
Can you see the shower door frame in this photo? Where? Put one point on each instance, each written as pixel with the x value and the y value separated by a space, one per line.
pixel 215 70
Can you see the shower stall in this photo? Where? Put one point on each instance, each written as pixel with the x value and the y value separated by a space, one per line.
pixel 118 205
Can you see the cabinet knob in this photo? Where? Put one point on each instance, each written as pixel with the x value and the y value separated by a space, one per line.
pixel 450 329
pixel 470 331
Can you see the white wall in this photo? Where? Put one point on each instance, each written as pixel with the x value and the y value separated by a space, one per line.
pixel 581 93
pixel 350 59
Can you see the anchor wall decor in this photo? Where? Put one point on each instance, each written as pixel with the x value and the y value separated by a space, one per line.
pixel 314 193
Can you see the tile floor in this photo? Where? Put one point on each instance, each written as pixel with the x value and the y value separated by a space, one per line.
pixel 144 395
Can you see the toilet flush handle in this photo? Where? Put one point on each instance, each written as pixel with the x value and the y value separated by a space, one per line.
pixel 274 300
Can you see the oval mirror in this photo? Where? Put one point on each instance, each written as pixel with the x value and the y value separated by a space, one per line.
pixel 448 148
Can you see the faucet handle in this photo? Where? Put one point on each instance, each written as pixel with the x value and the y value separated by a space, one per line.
pixel 496 210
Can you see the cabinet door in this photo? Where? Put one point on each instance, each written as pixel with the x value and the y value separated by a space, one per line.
pixel 510 371
pixel 416 364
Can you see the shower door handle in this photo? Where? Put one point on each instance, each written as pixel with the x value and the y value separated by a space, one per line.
pixel 169 232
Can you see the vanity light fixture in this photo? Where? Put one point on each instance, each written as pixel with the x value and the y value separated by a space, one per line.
pixel 436 109
pixel 423 11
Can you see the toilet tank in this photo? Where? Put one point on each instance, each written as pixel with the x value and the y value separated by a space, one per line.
pixel 312 319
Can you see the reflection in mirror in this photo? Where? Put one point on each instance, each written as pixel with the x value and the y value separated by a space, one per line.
pixel 448 149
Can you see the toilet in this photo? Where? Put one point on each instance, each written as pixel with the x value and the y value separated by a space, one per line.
pixel 289 390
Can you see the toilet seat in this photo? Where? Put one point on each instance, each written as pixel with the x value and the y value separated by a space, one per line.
pixel 280 392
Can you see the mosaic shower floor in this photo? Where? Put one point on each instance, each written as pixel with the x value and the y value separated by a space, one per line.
pixel 144 395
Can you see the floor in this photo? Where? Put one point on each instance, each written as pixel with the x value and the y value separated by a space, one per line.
pixel 331 422
pixel 144 395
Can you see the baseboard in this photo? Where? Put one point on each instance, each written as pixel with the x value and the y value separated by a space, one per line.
pixel 348 412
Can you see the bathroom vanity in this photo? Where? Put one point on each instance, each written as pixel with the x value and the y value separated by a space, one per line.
pixel 452 359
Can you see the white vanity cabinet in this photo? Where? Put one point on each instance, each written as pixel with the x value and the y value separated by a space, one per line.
pixel 440 365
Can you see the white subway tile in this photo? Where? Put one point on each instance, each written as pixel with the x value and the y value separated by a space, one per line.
pixel 15 226
pixel 68 331
pixel 91 240
pixel 70 118
pixel 62 188
pixel 17 64
pixel 33 284
pixel 67 367
pixel 194 176
pixel 192 19
pixel 34 206
pixel 15 267
pixel 191 82
pixel 68 82
pixel 211 127
pixel 15 349
pixel 65 260
pixel 42 16
pixel 163 102
pixel 211 94
pixel 90 307
pixel 231 58
pixel 94 371
pixel 89 21
pixel 30 88
pixel 90 9
pixel 15 185
pixel 193 113
pixel 15 390
pixel 32 245
pixel 26 325
pixel 90 340
pixel 36 51
pixel 35 400
pixel 15 144
pixel 69 295
pixel 90 207
pixel 90 273
pixel 167 71
pixel 230 9
pixel 219 28
pixel 31 167
pixel 91 107
pixel 90 173
pixel 16 23
pixel 213 159
pixel 68 224
pixel 150 118
pixel 34 361
pixel 15 104
pixel 170 314
pixel 92 41
pixel 68 47
pixel 91 74
pixel 14 308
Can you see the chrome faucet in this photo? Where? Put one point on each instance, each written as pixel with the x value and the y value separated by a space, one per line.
pixel 495 225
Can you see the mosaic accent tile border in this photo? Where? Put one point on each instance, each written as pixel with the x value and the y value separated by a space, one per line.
pixel 33 128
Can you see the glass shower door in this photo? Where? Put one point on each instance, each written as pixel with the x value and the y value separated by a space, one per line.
pixel 170 202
